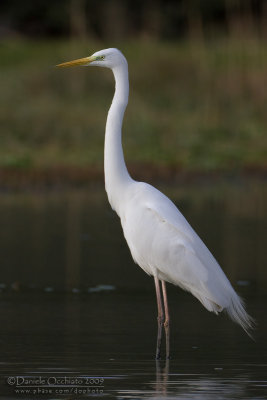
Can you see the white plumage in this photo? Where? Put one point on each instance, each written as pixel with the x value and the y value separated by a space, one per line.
pixel 164 244
pixel 160 239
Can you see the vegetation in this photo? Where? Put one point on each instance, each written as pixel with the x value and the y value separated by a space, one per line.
pixel 194 104
pixel 115 19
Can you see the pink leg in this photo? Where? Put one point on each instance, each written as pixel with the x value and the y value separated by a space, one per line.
pixel 160 317
pixel 167 319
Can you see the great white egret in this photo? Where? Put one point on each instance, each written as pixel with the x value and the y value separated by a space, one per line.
pixel 160 239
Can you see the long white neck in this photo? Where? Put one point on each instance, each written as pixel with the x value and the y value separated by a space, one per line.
pixel 117 177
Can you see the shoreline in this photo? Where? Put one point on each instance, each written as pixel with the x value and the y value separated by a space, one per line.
pixel 14 178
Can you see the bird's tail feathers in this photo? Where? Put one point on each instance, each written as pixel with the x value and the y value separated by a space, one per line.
pixel 235 310
pixel 238 314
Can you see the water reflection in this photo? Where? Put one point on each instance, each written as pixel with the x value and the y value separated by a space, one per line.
pixel 72 239
pixel 234 383
pixel 162 376
pixel 111 334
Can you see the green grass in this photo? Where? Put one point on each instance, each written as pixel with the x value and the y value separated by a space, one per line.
pixel 193 106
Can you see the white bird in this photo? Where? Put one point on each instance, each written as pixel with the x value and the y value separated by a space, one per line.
pixel 160 239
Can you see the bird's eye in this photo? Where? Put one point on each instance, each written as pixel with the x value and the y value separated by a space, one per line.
pixel 100 58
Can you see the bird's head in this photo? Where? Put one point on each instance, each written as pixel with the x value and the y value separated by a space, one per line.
pixel 109 58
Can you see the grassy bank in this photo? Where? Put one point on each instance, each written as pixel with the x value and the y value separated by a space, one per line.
pixel 193 106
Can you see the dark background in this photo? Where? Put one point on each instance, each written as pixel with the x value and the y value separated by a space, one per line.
pixel 166 19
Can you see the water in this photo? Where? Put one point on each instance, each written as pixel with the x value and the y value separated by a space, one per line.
pixel 78 317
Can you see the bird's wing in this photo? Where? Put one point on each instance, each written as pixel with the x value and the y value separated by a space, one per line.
pixel 180 261
pixel 162 240
pixel 165 210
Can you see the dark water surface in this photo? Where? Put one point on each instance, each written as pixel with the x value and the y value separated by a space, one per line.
pixel 78 317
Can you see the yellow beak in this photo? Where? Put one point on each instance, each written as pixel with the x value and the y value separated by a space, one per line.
pixel 79 61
